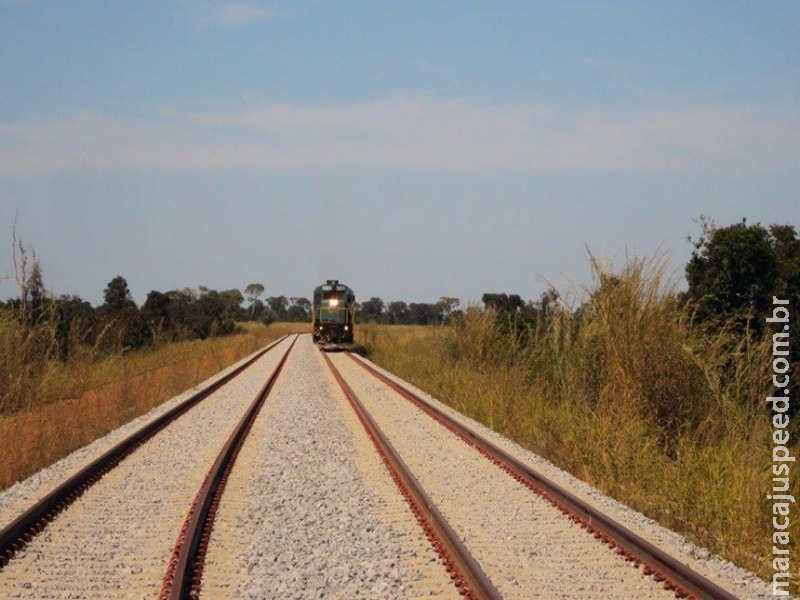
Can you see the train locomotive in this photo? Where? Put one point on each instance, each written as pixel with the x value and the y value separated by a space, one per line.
pixel 333 314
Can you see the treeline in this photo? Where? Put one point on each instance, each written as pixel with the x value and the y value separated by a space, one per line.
pixel 401 313
pixel 119 324
pixel 40 333
pixel 50 328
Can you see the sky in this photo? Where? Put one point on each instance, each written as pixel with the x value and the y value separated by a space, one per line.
pixel 412 150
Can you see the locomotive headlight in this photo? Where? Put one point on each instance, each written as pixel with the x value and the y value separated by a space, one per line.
pixel 346 328
pixel 334 302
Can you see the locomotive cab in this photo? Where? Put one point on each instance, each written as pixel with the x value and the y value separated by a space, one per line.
pixel 332 314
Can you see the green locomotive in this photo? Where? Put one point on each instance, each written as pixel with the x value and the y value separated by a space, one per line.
pixel 333 314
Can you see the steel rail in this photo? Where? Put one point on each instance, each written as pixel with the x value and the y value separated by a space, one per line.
pixel 183 577
pixel 17 534
pixel 675 576
pixel 464 570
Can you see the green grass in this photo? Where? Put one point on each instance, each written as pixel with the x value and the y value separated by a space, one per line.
pixel 628 395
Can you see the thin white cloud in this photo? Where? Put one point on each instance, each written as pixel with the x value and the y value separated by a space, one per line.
pixel 238 13
pixel 414 132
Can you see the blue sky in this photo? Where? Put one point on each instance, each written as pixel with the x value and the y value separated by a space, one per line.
pixel 414 151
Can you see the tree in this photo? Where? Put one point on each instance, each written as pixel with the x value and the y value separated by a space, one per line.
pixel 503 302
pixel 256 310
pixel 253 291
pixel 423 313
pixel 278 305
pixel 232 300
pixel 371 310
pixel 787 250
pixel 733 271
pixel 76 323
pixel 299 310
pixel 214 312
pixel 181 311
pixel 397 313
pixel 117 296
pixel 124 326
pixel 446 305
pixel 156 310
pixel 540 310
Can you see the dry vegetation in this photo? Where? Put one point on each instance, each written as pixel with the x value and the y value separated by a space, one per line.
pixel 59 407
pixel 625 393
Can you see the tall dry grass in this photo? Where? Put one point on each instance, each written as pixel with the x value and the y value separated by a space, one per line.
pixel 626 393
pixel 76 402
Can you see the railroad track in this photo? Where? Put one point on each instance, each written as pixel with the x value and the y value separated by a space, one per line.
pixel 299 498
pixel 654 571
pixel 185 571
pixel 467 575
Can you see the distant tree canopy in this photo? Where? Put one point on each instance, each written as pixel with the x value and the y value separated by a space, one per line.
pixel 121 323
pixel 253 291
pixel 117 295
pixel 280 308
pixel 503 302
pixel 398 312
pixel 735 271
pixel 515 315
pixel 299 310
pixel 118 324
pixel 371 310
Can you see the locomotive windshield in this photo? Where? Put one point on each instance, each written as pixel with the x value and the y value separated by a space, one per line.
pixel 332 316
pixel 332 309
